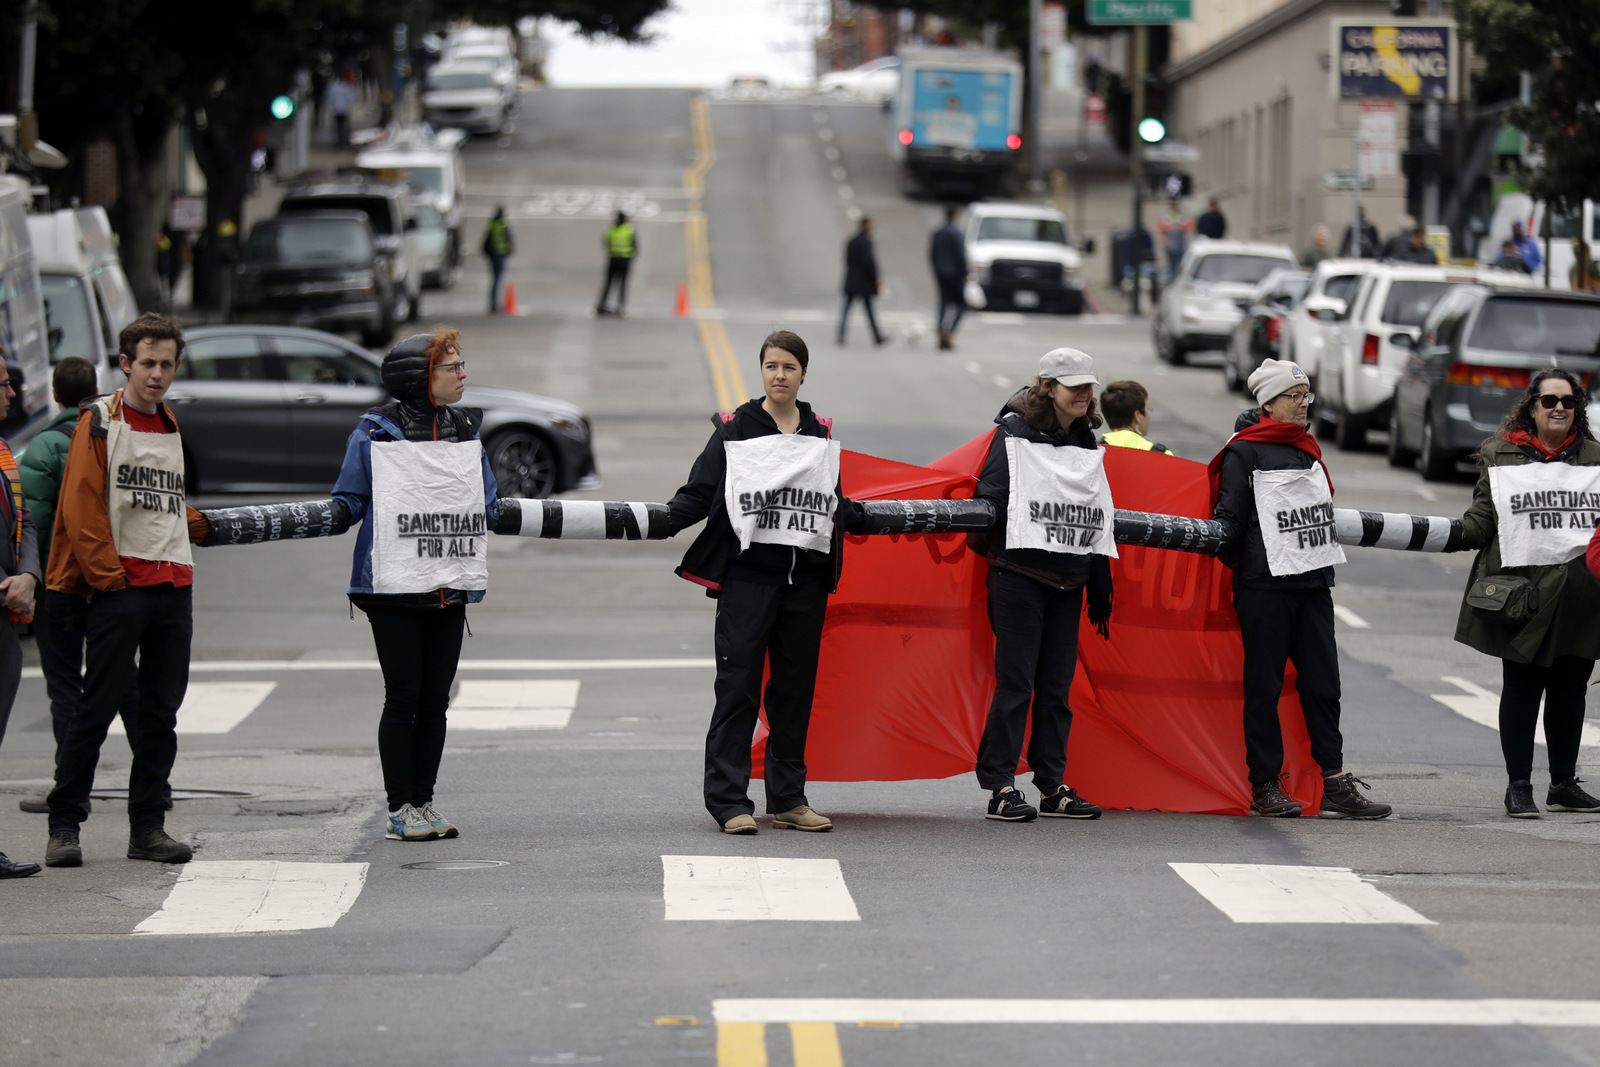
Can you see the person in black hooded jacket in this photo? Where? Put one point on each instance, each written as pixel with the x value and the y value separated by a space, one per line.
pixel 418 632
pixel 771 603
pixel 1035 601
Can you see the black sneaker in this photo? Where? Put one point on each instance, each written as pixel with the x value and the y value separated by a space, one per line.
pixel 1341 800
pixel 1267 800
pixel 1009 805
pixel 1519 801
pixel 1065 804
pixel 158 846
pixel 1569 796
pixel 63 850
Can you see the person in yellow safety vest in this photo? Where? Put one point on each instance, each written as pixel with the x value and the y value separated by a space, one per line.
pixel 1126 406
pixel 497 246
pixel 621 245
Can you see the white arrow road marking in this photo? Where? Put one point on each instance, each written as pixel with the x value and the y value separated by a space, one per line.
pixel 1264 893
pixel 256 896
pixel 1483 707
pixel 755 887
pixel 522 704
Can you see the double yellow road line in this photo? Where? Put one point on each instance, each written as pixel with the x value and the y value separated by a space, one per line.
pixel 745 1045
pixel 726 377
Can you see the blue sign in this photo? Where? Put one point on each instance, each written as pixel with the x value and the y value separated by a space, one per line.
pixel 1404 58
pixel 962 109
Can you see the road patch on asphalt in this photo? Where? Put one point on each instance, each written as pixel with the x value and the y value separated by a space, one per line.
pixel 256 896
pixel 1267 893
pixel 520 704
pixel 742 888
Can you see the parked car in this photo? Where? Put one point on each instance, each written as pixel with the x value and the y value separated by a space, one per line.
pixel 1355 388
pixel 468 95
pixel 433 249
pixel 1259 334
pixel 1478 347
pixel 24 328
pixel 1310 324
pixel 85 306
pixel 1022 257
pixel 1200 308
pixel 429 164
pixel 316 268
pixel 268 409
pixel 387 206
pixel 877 80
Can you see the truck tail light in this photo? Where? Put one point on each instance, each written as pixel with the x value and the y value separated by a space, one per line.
pixel 1274 325
pixel 1476 374
pixel 1013 141
pixel 1369 350
pixel 905 137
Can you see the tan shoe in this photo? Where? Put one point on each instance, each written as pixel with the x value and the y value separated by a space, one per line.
pixel 801 818
pixel 740 824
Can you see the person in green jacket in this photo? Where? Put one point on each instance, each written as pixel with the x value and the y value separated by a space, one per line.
pixel 621 244
pixel 1126 406
pixel 1548 647
pixel 498 246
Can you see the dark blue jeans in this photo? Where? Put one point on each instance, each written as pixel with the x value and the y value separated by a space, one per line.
pixel 497 270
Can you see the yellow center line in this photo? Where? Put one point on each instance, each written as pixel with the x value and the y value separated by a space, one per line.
pixel 741 1045
pixel 727 380
pixel 816 1045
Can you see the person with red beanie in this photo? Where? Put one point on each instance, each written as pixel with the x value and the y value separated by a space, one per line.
pixel 1275 501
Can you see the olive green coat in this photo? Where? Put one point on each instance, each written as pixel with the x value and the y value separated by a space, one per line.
pixel 1568 624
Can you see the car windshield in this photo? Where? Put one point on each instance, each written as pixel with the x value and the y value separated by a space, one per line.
pixel 444 83
pixel 997 228
pixel 1290 289
pixel 66 312
pixel 308 242
pixel 1221 267
pixel 1408 302
pixel 1558 327
pixel 428 218
pixel 376 208
pixel 428 180
pixel 1341 286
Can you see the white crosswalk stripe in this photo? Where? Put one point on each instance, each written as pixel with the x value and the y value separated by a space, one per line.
pixel 215 707
pixel 1482 706
pixel 1266 893
pixel 732 888
pixel 520 704
pixel 256 896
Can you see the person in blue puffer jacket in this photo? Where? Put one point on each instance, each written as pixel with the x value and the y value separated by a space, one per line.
pixel 417 479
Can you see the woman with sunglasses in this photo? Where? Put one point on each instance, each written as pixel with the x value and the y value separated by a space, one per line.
pixel 1547 642
pixel 415 472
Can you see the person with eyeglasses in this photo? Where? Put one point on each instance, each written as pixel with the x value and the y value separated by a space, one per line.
pixel 1275 500
pixel 416 477
pixel 1531 601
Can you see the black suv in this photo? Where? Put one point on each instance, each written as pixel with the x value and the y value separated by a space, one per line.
pixel 317 268
pixel 387 206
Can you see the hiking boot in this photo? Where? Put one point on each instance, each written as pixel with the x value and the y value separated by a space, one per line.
pixel 1267 799
pixel 741 824
pixel 158 846
pixel 442 825
pixel 1341 800
pixel 1065 804
pixel 1569 796
pixel 1519 800
pixel 1009 804
pixel 63 850
pixel 409 824
pixel 801 818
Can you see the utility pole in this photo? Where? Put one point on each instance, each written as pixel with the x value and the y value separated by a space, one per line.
pixel 27 121
pixel 1430 137
pixel 1135 162
pixel 1035 63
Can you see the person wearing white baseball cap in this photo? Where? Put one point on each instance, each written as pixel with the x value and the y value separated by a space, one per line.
pixel 1041 558
pixel 1275 501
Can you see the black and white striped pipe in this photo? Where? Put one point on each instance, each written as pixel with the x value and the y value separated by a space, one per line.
pixel 1384 529
pixel 583 520
pixel 257 523
pixel 1178 533
pixel 926 516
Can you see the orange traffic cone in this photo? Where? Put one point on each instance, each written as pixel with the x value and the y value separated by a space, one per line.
pixel 683 301
pixel 511 297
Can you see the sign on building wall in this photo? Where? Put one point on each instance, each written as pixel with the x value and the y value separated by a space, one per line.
pixel 1408 58
pixel 1379 139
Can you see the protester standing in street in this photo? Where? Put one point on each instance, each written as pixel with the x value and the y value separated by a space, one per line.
pixel 947 252
pixel 1399 243
pixel 1126 407
pixel 1282 564
pixel 621 244
pixel 1213 223
pixel 121 539
pixel 860 279
pixel 1174 227
pixel 771 567
pixel 417 455
pixel 1368 241
pixel 19 562
pixel 1037 577
pixel 498 247
pixel 1547 643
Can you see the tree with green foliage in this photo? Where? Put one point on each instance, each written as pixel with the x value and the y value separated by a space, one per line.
pixel 1558 42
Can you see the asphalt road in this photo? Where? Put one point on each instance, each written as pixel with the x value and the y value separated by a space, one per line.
pixel 572 950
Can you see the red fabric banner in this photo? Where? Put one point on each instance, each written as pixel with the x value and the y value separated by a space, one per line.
pixel 907 664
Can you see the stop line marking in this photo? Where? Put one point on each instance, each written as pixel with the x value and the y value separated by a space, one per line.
pixel 524 704
pixel 271 666
pixel 256 896
pixel 744 888
pixel 214 707
pixel 1268 893
pixel 1482 706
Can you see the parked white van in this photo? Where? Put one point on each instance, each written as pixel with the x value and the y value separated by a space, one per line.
pixel 22 318
pixel 84 312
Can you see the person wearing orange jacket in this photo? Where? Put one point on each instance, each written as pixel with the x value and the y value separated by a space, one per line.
pixel 121 541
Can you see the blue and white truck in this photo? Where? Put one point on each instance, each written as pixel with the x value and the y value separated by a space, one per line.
pixel 957 118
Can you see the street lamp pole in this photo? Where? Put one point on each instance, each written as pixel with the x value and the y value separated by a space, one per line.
pixel 1136 164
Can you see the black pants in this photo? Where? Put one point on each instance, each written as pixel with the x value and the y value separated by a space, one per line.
pixel 1279 626
pixel 59 626
pixel 418 649
pixel 1035 657
pixel 616 275
pixel 497 272
pixel 10 670
pixel 757 624
pixel 950 296
pixel 155 624
pixel 872 319
pixel 1563 685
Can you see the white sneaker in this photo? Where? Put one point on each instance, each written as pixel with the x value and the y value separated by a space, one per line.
pixel 443 826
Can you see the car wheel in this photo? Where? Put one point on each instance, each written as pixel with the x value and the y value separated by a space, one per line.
pixel 1162 341
pixel 383 334
pixel 402 306
pixel 1072 302
pixel 1397 453
pixel 1350 432
pixel 524 464
pixel 1230 374
pixel 416 308
pixel 1433 462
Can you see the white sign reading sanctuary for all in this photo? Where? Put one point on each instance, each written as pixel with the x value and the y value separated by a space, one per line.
pixel 783 490
pixel 429 527
pixel 1060 500
pixel 1545 512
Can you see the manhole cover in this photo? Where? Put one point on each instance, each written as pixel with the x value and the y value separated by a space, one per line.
pixel 454 865
pixel 177 794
